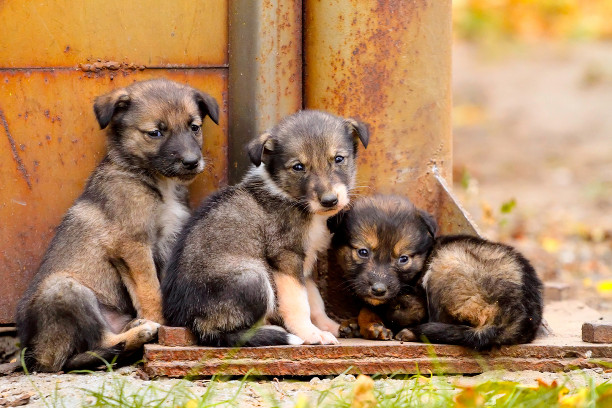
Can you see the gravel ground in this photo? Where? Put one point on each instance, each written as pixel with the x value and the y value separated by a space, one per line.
pixel 70 390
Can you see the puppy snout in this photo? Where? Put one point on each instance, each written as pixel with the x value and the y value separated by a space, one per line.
pixel 378 289
pixel 190 162
pixel 329 200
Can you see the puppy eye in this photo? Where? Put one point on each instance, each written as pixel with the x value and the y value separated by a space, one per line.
pixel 363 253
pixel 195 128
pixel 403 260
pixel 339 159
pixel 298 167
pixel 155 134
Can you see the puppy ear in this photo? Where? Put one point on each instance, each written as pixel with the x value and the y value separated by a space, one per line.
pixel 358 130
pixel 208 106
pixel 430 222
pixel 257 147
pixel 108 105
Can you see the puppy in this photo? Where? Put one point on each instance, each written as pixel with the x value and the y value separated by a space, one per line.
pixel 100 270
pixel 381 244
pixel 481 295
pixel 248 253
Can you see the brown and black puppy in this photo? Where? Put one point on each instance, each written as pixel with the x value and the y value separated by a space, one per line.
pixel 97 288
pixel 382 244
pixel 247 255
pixel 481 294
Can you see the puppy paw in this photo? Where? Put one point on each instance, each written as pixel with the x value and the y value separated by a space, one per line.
pixel 148 331
pixel 328 338
pixel 377 331
pixel 349 328
pixel 326 324
pixel 316 336
pixel 135 323
pixel 405 335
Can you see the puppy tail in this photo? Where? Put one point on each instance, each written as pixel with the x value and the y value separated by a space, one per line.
pixel 267 335
pixel 461 335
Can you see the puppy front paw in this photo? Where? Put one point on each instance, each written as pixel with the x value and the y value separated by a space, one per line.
pixel 317 336
pixel 148 331
pixel 349 328
pixel 376 331
pixel 405 335
pixel 326 324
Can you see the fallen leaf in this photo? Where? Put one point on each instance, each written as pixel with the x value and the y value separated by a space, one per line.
pixel 363 393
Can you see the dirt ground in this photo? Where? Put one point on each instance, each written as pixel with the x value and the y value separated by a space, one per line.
pixel 533 124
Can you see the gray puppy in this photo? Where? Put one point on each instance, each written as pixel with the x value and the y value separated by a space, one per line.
pixel 247 255
pixel 100 270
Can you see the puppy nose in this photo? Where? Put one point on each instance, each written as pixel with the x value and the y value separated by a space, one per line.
pixel 329 200
pixel 379 289
pixel 190 163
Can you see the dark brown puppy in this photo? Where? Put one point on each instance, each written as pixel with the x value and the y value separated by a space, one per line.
pixel 100 271
pixel 248 253
pixel 481 295
pixel 382 244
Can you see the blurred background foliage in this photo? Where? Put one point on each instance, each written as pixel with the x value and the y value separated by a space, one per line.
pixel 532 133
pixel 479 20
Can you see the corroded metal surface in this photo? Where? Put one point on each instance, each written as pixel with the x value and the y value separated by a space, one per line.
pixel 368 357
pixel 389 64
pixel 265 71
pixel 175 336
pixel 597 332
pixel 452 218
pixel 56 57
pixel 157 33
pixel 49 143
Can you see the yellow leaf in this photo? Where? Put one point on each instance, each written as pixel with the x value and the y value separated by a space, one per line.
pixel 192 403
pixel 604 287
pixel 575 400
pixel 487 213
pixel 363 393
pixel 302 402
pixel 551 245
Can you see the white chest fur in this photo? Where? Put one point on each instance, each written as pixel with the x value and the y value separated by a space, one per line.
pixel 171 216
pixel 316 239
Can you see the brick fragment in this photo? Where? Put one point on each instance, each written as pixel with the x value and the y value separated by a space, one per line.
pixel 555 291
pixel 599 331
pixel 175 336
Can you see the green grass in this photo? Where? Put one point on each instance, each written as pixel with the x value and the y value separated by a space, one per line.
pixel 414 391
pixel 418 390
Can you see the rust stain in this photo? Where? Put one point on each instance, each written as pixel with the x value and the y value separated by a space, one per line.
pixel 387 63
pixel 368 357
pixel 111 66
pixel 169 36
pixel 20 165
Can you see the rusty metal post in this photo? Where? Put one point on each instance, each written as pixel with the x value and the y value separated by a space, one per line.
pixel 387 63
pixel 265 71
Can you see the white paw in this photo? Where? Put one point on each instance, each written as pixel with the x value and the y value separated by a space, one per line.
pixel 329 338
pixel 294 340
pixel 316 336
pixel 327 324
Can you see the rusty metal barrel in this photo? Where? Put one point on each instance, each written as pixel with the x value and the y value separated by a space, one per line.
pixel 387 63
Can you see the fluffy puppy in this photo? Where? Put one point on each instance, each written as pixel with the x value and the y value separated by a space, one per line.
pixel 381 245
pixel 248 253
pixel 99 272
pixel 481 295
